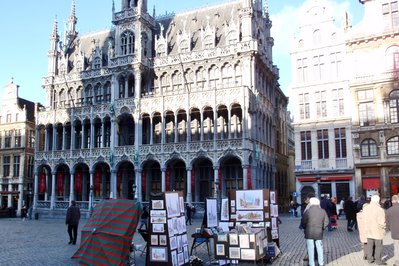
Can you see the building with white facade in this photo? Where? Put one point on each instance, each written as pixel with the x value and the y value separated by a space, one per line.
pixel 17 140
pixel 322 105
pixel 187 102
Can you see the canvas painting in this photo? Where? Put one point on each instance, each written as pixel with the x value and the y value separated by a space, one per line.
pixel 233 239
pixel 224 212
pixel 173 243
pixel 222 237
pixel 158 254
pixel 158 228
pixel 171 229
pixel 157 204
pixel 186 256
pixel 234 253
pixel 274 234
pixel 249 199
pixel 181 200
pixel 154 240
pixel 174 258
pixel 180 258
pixel 158 213
pixel 272 197
pixel 248 254
pixel 211 212
pixel 184 240
pixel 244 240
pixel 162 240
pixel 158 219
pixel 220 250
pixel 172 204
pixel 250 216
pixel 274 210
pixel 274 223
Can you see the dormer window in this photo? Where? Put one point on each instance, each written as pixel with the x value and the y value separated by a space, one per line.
pixel 184 47
pixel 97 63
pixel 127 43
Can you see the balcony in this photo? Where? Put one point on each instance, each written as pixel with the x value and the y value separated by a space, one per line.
pixel 341 163
pixel 306 165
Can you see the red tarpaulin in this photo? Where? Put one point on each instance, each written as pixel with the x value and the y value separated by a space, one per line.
pixel 97 182
pixel 42 185
pixel 60 183
pixel 78 182
pixel 167 179
pixel 192 182
pixel 144 182
pixel 249 178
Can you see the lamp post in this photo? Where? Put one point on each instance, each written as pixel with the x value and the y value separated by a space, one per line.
pixel 30 203
pixel 91 201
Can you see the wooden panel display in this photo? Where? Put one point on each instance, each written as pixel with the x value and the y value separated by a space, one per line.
pixel 167 242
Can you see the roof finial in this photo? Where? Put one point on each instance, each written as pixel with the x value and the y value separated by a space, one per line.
pixel 72 19
pixel 266 8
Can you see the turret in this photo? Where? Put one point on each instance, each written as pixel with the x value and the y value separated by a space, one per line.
pixel 52 53
pixel 72 20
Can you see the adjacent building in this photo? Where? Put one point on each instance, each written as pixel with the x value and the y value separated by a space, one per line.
pixel 373 50
pixel 187 102
pixel 322 104
pixel 17 140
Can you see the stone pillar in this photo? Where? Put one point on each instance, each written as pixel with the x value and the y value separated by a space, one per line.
pixel 102 134
pixel 63 142
pixel 138 193
pixel 72 186
pixel 163 129
pixel 216 181
pixel 37 138
pixel 188 127
pixel 245 176
pixel 228 123
pixel 202 126
pixel 175 129
pixel 189 197
pixel 83 135
pixel 113 194
pixel 73 136
pixel 91 134
pixel 126 88
pixel 36 191
pixel 163 179
pixel 52 204
pixel 151 132
pixel 46 138
pixel 91 190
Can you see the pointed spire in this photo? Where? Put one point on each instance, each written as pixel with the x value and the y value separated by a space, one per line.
pixel 113 6
pixel 266 8
pixel 72 19
pixel 54 33
pixel 153 12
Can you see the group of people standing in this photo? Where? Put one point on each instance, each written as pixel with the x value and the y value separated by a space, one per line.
pixel 370 218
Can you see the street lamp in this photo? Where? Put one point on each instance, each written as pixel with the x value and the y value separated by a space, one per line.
pixel 91 200
pixel 30 203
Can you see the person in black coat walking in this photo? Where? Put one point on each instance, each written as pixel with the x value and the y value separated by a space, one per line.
pixel 314 221
pixel 72 220
pixel 350 212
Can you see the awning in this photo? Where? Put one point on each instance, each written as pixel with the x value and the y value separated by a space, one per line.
pixel 325 178
pixel 371 183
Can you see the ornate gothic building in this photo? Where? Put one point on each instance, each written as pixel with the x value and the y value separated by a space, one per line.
pixel 187 102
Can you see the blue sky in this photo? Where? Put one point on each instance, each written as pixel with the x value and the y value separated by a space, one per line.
pixel 26 27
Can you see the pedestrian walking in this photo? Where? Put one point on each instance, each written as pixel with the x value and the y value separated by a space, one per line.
pixel 144 218
pixel 340 207
pixel 314 221
pixel 24 212
pixel 350 212
pixel 361 225
pixel 375 223
pixel 188 214
pixel 72 220
pixel 392 215
pixel 332 214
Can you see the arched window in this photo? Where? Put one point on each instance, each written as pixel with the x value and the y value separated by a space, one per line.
pixel 393 146
pixel 89 94
pixel 392 58
pixel 97 63
pixel 107 92
pixel 98 93
pixel 316 37
pixel 394 106
pixel 127 43
pixel 368 148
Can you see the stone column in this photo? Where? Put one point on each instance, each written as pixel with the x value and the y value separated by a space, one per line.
pixel 35 191
pixel 46 139
pixel 138 193
pixel 63 142
pixel 91 190
pixel 72 186
pixel 102 134
pixel 245 176
pixel 37 138
pixel 91 134
pixel 202 126
pixel 83 135
pixel 151 132
pixel 113 194
pixel 163 179
pixel 175 129
pixel 52 204
pixel 216 181
pixel 189 197
pixel 73 136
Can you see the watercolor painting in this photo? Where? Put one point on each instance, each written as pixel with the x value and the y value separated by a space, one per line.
pixel 249 200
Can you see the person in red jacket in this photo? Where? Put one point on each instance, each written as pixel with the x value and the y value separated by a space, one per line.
pixel 392 215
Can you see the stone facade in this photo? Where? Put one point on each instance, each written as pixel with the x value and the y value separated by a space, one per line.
pixel 17 140
pixel 322 105
pixel 184 102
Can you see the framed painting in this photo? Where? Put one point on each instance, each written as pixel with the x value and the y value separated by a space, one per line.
pixel 249 216
pixel 157 204
pixel 224 211
pixel 154 240
pixel 172 204
pixel 158 220
pixel 220 250
pixel 162 240
pixel 249 200
pixel 158 228
pixel 234 253
pixel 158 254
pixel 233 239
pixel 211 212
pixel 161 213
pixel 248 254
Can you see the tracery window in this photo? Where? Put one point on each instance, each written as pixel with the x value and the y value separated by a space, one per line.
pixel 127 42
pixel 368 148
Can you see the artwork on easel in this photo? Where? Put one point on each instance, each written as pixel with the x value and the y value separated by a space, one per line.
pixel 249 200
pixel 172 204
pixel 272 197
pixel 224 210
pixel 211 212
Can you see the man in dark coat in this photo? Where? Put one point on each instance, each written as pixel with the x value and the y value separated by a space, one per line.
pixel 350 212
pixel 72 220
pixel 392 215
pixel 314 221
